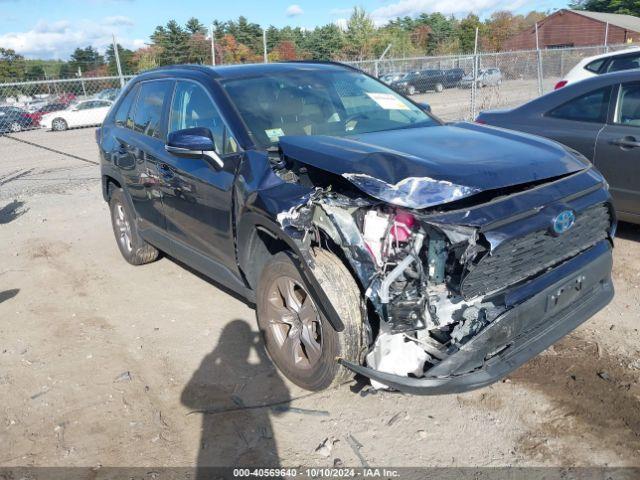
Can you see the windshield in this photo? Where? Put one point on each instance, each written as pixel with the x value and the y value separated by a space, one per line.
pixel 335 103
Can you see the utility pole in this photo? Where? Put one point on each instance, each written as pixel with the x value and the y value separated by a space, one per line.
pixel 539 54
pixel 84 90
pixel 213 46
pixel 474 85
pixel 118 66
pixel 376 64
pixel 264 46
pixel 606 38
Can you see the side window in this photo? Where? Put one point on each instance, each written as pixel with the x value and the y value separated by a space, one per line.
pixel 151 100
pixel 628 111
pixel 624 63
pixel 124 108
pixel 595 65
pixel 84 106
pixel 192 107
pixel 592 107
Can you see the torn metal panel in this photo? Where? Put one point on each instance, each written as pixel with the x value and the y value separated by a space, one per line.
pixel 411 192
pixel 346 234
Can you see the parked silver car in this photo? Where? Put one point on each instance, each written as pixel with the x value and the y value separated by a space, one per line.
pixel 487 77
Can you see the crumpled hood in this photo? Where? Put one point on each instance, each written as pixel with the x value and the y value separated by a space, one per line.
pixel 422 167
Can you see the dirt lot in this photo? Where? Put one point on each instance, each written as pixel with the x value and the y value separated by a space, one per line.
pixel 102 363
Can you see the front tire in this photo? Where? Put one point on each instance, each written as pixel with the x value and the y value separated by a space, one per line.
pixel 298 338
pixel 133 248
pixel 411 90
pixel 439 87
pixel 59 125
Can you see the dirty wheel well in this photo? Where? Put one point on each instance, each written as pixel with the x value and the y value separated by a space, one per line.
pixel 262 246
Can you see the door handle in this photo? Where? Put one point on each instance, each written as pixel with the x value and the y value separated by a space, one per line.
pixel 626 142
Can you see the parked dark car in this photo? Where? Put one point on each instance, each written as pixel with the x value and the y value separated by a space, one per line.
pixel 372 237
pixel 14 119
pixel 600 118
pixel 425 80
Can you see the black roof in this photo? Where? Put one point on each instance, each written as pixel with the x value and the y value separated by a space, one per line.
pixel 252 69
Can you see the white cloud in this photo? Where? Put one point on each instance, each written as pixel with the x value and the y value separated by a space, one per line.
pixel 294 11
pixel 118 20
pixel 59 39
pixel 340 11
pixel 413 8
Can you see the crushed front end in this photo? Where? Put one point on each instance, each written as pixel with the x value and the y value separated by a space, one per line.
pixel 460 295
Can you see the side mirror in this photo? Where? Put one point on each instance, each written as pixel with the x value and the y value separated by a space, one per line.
pixel 425 106
pixel 197 141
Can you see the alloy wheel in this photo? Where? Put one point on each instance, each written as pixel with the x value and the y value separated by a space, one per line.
pixel 58 125
pixel 15 127
pixel 294 323
pixel 123 227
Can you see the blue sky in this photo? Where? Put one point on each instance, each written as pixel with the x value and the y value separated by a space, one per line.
pixel 53 28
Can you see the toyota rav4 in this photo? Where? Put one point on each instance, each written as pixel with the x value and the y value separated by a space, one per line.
pixel 371 237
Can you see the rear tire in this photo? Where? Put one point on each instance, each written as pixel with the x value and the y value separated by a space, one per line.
pixel 15 127
pixel 439 87
pixel 133 248
pixel 298 338
pixel 59 124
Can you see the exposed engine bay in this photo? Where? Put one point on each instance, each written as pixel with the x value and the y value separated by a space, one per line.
pixel 408 268
pixel 429 287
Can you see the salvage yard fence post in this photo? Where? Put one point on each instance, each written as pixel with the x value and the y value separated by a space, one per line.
pixel 539 55
pixel 474 84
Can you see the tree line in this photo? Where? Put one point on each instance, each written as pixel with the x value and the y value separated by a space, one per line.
pixel 241 41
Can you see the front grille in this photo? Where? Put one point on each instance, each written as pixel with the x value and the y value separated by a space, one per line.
pixel 523 257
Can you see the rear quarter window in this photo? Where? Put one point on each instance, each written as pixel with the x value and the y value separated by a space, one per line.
pixel 595 66
pixel 122 114
pixel 591 107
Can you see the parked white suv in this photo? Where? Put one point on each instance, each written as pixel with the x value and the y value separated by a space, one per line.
pixel 626 59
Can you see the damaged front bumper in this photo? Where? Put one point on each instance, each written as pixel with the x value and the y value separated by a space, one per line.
pixel 566 297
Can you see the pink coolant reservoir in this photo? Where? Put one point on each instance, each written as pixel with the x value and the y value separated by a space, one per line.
pixel 402 226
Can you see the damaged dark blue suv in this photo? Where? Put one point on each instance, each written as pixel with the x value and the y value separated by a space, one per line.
pixel 371 237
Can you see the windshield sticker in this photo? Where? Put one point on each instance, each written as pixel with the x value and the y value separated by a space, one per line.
pixel 388 101
pixel 274 134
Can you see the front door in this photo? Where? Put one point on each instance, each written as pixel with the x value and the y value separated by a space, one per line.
pixel 618 151
pixel 197 195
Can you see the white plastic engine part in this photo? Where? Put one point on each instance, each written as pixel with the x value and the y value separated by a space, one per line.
pixel 374 230
pixel 393 354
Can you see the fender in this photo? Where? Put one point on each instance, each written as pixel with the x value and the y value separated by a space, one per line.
pixel 251 221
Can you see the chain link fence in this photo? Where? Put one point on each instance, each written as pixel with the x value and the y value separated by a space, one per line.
pixel 57 104
pixel 499 80
pixel 457 87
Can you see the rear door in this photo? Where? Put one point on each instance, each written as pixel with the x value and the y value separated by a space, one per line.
pixel 618 150
pixel 142 144
pixel 197 196
pixel 577 122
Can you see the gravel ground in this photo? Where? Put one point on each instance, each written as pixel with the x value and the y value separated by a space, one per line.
pixel 102 363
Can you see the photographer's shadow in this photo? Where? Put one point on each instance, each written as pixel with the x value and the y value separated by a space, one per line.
pixel 223 390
